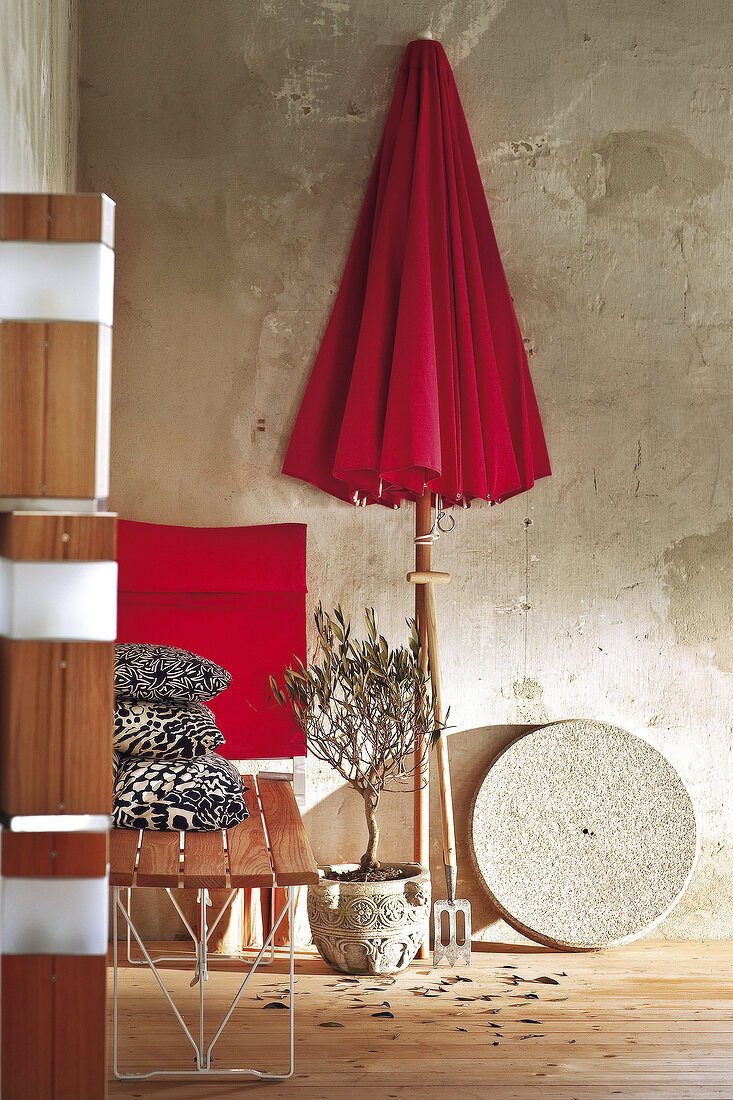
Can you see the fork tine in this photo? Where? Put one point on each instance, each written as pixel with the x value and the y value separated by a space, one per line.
pixel 451 950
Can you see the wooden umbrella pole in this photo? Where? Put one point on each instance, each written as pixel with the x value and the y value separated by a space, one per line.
pixel 421 849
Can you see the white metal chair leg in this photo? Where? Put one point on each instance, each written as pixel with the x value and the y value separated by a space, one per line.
pixel 203 1055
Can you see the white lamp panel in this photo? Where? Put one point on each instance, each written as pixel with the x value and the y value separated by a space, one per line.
pixel 54 916
pixel 60 823
pixel 56 281
pixel 70 600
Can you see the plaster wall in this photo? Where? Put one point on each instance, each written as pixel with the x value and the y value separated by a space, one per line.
pixel 237 140
pixel 38 95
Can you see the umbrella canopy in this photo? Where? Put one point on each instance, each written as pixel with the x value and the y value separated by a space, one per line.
pixel 421 381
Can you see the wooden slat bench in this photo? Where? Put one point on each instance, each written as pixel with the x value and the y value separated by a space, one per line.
pixel 270 848
pixel 227 858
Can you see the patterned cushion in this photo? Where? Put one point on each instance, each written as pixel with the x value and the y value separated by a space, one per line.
pixel 166 731
pixel 160 672
pixel 200 795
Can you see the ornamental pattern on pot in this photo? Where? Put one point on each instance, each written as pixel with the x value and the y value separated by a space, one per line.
pixel 369 928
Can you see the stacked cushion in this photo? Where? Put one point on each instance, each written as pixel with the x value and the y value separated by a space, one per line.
pixel 166 773
pixel 166 731
pixel 201 794
pixel 162 672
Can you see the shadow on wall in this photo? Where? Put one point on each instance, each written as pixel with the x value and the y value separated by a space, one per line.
pixel 336 829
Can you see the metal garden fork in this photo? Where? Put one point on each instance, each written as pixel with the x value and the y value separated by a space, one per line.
pixel 452 949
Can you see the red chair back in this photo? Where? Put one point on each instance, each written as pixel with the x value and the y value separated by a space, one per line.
pixel 233 594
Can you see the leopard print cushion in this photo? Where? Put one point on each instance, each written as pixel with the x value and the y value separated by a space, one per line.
pixel 166 731
pixel 198 795
pixel 156 673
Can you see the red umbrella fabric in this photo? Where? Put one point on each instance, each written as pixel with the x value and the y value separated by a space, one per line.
pixel 421 380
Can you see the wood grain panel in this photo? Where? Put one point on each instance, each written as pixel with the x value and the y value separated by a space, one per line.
pixel 71 409
pixel 79 1050
pixel 291 851
pixel 249 859
pixel 57 536
pixel 24 217
pixel 159 859
pixel 123 845
pixel 204 865
pixel 22 408
pixel 31 726
pixel 88 721
pixel 57 218
pixel 56 718
pixel 27 1027
pixel 54 855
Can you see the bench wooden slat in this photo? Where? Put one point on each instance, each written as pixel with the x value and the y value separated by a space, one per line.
pixel 249 859
pixel 204 866
pixel 122 855
pixel 158 861
pixel 291 852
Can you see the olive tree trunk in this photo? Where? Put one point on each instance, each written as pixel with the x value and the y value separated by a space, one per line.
pixel 369 859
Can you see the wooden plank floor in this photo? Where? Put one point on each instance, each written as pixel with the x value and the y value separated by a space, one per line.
pixel 642 1022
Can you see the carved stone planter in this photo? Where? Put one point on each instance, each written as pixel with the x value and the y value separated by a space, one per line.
pixel 370 927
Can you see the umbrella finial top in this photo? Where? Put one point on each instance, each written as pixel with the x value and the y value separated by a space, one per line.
pixel 426 35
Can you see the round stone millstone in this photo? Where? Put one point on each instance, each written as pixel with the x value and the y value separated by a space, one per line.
pixel 584 835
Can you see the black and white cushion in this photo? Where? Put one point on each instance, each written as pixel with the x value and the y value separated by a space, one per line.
pixel 166 731
pixel 198 795
pixel 156 673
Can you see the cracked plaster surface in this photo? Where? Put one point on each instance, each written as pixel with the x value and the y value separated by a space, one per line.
pixel 238 146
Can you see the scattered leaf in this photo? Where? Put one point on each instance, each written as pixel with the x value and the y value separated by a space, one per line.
pixel 547 981
pixel 461 1029
pixel 384 1015
pixel 572 1041
pixel 531 1037
pixel 490 997
pixel 531 996
pixel 331 1023
pixel 459 978
pixel 386 1004
pixel 431 993
pixel 274 1004
pixel 530 1021
pixel 494 1025
pixel 466 998
pixel 555 1000
pixel 495 1044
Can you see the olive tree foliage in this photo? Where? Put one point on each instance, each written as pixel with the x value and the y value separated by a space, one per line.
pixel 366 709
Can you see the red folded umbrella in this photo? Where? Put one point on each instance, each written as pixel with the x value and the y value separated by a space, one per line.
pixel 421 381
pixel 421 386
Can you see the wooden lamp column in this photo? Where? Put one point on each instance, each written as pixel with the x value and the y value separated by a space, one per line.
pixel 58 581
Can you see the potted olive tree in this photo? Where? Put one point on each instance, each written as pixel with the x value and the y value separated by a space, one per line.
pixel 367 710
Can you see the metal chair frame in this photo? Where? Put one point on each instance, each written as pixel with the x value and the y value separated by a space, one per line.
pixel 201 974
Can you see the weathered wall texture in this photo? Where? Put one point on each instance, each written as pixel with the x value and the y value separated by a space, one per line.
pixel 38 95
pixel 237 139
